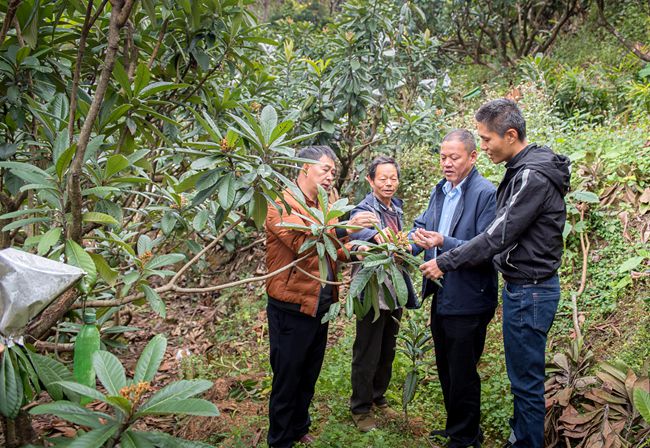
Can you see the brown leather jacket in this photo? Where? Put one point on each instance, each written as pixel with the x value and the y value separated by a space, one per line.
pixel 282 245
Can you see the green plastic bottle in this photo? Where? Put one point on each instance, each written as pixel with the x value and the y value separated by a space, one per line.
pixel 85 345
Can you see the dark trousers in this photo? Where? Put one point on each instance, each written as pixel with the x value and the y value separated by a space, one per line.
pixel 373 353
pixel 459 342
pixel 528 313
pixel 297 349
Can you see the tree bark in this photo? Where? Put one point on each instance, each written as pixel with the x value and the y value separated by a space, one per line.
pixel 9 18
pixel 119 16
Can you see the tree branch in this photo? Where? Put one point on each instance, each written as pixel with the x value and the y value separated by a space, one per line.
pixel 9 18
pixel 161 35
pixel 634 48
pixel 119 15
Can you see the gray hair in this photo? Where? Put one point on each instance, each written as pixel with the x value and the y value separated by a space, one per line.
pixel 501 115
pixel 381 160
pixel 464 136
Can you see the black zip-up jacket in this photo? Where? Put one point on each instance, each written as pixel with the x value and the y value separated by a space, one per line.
pixel 525 239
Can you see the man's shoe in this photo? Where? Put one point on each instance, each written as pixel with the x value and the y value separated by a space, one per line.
pixel 364 422
pixel 438 433
pixel 307 439
pixel 387 412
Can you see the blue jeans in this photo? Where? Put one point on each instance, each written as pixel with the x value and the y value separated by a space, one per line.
pixel 528 313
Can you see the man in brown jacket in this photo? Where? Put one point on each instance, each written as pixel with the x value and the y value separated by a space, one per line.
pixel 297 303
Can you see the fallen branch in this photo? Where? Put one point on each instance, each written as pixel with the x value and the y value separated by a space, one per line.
pixel 584 246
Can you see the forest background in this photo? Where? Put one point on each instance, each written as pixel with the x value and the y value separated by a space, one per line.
pixel 144 140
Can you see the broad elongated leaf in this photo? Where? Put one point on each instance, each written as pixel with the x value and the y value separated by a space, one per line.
pixel 115 164
pixel 227 190
pixel 72 412
pixel 95 438
pixel 410 385
pixel 259 209
pixel 178 390
pixel 268 122
pixel 82 390
pixel 49 239
pixel 157 87
pixel 106 272
pixel 101 218
pixel 50 372
pixel 155 302
pixel 77 256
pixel 400 285
pixel 162 440
pixel 150 359
pixel 25 222
pixel 165 260
pixel 110 371
pixel 11 388
pixel 63 162
pixel 359 282
pixel 187 406
pixel 642 403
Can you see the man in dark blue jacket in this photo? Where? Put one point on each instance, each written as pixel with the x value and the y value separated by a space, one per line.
pixel 374 345
pixel 461 206
pixel 525 243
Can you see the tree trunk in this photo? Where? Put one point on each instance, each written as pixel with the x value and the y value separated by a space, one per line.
pixel 18 432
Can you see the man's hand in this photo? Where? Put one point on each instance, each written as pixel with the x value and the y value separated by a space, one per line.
pixel 379 239
pixel 431 270
pixel 362 219
pixel 427 239
pixel 362 249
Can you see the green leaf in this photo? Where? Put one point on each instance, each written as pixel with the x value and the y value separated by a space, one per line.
pixel 329 246
pixel 268 122
pixel 94 438
pixel 178 390
pixel 259 209
pixel 168 222
pixel 101 218
pixel 142 77
pixel 110 371
pixel 81 390
pixel 115 164
pixel 145 244
pixel 400 285
pixel 359 282
pixel 77 256
pixel 106 272
pixel 25 211
pixel 164 260
pixel 72 412
pixel 121 403
pixel 131 439
pixel 410 385
pixel 188 406
pixel 585 196
pixel 162 440
pixel 155 302
pixel 50 372
pixel 49 239
pixel 11 388
pixel 63 162
pixel 122 78
pixel 150 359
pixel 158 87
pixel 642 403
pixel 116 114
pixel 630 264
pixel 227 190
pixel 24 222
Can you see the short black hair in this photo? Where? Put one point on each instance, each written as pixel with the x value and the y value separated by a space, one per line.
pixel 381 160
pixel 500 115
pixel 315 152
pixel 464 136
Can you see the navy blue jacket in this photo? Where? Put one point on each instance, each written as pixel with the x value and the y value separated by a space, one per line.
pixel 469 290
pixel 371 204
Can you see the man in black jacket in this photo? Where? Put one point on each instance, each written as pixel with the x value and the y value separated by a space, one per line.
pixel 525 243
pixel 461 206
